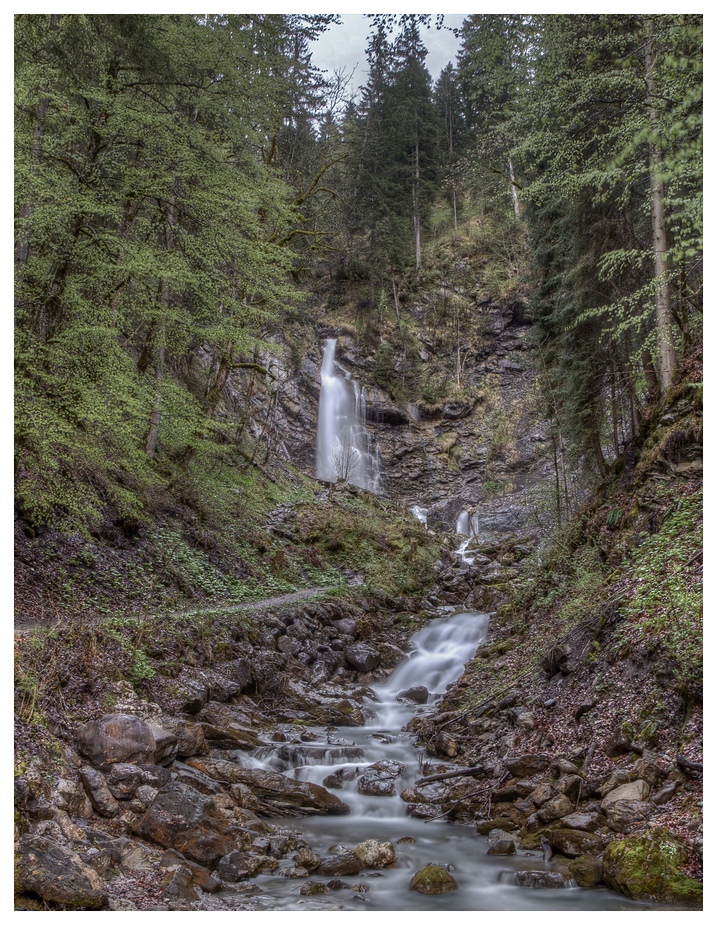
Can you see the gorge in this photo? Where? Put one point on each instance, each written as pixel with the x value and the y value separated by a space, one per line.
pixel 358 466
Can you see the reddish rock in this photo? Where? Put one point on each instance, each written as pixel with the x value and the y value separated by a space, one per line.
pixel 115 738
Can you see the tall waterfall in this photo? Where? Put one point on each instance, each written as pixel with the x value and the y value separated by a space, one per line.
pixel 344 448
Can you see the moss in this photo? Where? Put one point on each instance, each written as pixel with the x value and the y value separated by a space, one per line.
pixel 433 879
pixel 647 867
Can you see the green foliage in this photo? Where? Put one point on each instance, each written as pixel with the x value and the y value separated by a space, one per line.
pixel 665 613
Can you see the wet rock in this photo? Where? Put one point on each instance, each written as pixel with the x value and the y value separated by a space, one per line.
pixel 115 738
pixel 413 695
pixel 541 880
pixel 281 796
pixel 646 867
pixel 574 842
pixel 232 867
pixel 312 888
pixel 183 819
pixel 433 880
pixel 305 857
pixel 363 657
pixel 380 779
pixel 99 793
pixel 344 864
pixel 586 871
pixel 499 822
pixel 502 846
pixel 57 875
pixel 338 778
pixel 374 854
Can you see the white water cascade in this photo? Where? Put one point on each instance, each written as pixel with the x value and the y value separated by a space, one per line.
pixel 466 526
pixel 344 449
pixel 338 757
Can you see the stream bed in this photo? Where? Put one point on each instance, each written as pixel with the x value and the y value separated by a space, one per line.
pixel 485 882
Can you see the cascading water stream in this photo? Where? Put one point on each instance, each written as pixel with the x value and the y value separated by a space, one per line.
pixel 344 447
pixel 485 882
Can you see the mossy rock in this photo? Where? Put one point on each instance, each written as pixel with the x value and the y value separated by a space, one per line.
pixel 646 867
pixel 433 879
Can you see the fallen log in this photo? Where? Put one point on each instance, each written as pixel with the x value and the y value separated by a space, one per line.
pixel 462 772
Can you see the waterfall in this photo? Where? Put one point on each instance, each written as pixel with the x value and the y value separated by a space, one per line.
pixel 463 524
pixel 344 447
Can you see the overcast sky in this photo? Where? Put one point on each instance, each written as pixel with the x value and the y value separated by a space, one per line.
pixel 344 46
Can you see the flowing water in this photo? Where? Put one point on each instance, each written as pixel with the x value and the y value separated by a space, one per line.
pixel 344 446
pixel 484 882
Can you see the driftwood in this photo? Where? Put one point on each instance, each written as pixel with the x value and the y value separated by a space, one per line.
pixel 463 772
pixel 687 764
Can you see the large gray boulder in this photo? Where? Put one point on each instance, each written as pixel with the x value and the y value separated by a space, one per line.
pixel 117 737
pixel 57 875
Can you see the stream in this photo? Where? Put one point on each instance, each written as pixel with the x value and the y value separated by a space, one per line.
pixel 439 652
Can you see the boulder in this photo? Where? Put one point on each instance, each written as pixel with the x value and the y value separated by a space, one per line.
pixel 432 880
pixel 623 814
pixel 573 842
pixel 445 745
pixel 57 875
pixel 646 867
pixel 233 867
pixel 201 877
pixel 586 822
pixel 118 737
pixel 184 819
pixel 636 790
pixel 413 695
pixel 556 808
pixel 363 657
pixel 281 796
pixel 374 854
pixel 502 846
pixel 541 880
pixel 166 745
pixel 343 864
pixel 586 871
pixel 380 779
pixel 99 793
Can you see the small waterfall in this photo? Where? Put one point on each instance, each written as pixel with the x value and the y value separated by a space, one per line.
pixel 466 526
pixel 345 449
pixel 420 513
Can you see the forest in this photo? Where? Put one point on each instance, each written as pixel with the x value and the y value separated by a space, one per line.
pixel 508 261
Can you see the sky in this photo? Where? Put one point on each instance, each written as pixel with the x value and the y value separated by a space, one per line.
pixel 343 46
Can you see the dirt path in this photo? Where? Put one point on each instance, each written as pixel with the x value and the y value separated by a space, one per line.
pixel 25 625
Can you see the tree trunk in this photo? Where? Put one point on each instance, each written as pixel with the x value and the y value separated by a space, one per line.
pixel 416 214
pixel 666 356
pixel 514 188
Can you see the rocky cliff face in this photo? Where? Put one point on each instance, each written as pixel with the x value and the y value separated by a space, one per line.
pixel 480 449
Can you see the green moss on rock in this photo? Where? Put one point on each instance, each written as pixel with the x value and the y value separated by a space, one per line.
pixel 433 879
pixel 647 867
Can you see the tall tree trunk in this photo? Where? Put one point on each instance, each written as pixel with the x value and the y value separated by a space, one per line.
pixel 514 188
pixel 416 213
pixel 666 356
